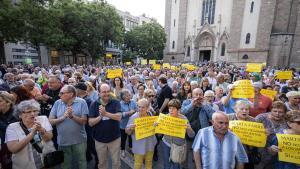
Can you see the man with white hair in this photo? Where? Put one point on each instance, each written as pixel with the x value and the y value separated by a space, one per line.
pixel 132 86
pixel 216 147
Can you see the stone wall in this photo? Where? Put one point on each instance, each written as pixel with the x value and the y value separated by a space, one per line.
pixel 295 54
pixel 167 24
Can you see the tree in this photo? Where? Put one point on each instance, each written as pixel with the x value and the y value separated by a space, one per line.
pixel 148 40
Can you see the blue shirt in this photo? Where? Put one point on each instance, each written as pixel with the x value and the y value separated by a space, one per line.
pixel 126 107
pixel 107 130
pixel 70 132
pixel 216 154
pixel 205 113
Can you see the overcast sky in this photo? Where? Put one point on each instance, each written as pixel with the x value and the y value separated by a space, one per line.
pixel 152 8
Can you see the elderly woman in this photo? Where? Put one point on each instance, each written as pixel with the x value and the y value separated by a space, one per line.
pixel 151 97
pixel 242 109
pixel 19 136
pixel 294 100
pixel 128 107
pixel 273 122
pixel 6 118
pixel 293 121
pixel 205 85
pixel 143 149
pixel 91 92
pixel 174 111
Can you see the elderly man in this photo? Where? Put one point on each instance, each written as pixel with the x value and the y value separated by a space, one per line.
pixel 69 115
pixel 198 114
pixel 105 118
pixel 216 147
pixel 132 86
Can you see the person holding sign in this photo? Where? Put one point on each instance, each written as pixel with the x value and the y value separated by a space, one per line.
pixel 273 122
pixel 261 103
pixel 293 121
pixel 143 149
pixel 174 106
pixel 216 147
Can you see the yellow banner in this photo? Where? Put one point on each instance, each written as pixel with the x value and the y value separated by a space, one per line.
pixel 167 65
pixel 128 63
pixel 109 55
pixel 243 89
pixel 175 68
pixel 254 67
pixel 156 67
pixel 171 126
pixel 144 127
pixel 144 62
pixel 152 62
pixel 285 75
pixel 269 93
pixel 189 67
pixel 250 133
pixel 289 148
pixel 112 73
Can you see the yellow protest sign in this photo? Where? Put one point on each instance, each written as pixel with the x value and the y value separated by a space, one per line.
pixel 254 67
pixel 243 89
pixel 128 63
pixel 144 62
pixel 152 62
pixel 167 65
pixel 112 73
pixel 189 67
pixel 144 127
pixel 286 75
pixel 171 126
pixel 269 93
pixel 289 148
pixel 175 68
pixel 156 67
pixel 109 55
pixel 250 133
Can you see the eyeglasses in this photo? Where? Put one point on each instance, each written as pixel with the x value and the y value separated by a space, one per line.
pixel 31 111
pixel 297 122
pixel 61 93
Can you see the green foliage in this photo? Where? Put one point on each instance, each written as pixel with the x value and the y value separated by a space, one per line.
pixel 148 40
pixel 69 25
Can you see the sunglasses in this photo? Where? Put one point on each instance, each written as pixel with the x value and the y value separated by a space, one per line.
pixel 151 96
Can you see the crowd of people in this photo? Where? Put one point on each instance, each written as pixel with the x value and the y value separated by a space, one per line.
pixel 90 117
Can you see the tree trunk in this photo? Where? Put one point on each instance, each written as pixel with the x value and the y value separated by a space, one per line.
pixel 2 52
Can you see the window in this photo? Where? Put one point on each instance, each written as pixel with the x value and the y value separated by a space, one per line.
pixel 188 53
pixel 223 48
pixel 252 7
pixel 248 37
pixel 174 22
pixel 208 11
pixel 245 56
pixel 173 45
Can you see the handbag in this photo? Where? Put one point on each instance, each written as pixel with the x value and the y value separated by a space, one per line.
pixel 51 156
pixel 178 153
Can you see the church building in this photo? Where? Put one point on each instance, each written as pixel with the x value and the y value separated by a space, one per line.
pixel 236 31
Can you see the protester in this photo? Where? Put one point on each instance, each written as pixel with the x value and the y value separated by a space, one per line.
pixel 20 93
pixel 261 103
pixel 143 149
pixel 69 115
pixel 105 115
pixel 294 100
pixel 217 147
pixel 27 153
pixel 164 96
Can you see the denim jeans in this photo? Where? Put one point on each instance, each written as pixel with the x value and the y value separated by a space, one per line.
pixel 74 151
pixel 168 164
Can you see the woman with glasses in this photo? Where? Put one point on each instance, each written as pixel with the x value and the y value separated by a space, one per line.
pixel 273 122
pixel 142 149
pixel 24 138
pixel 293 100
pixel 293 122
pixel 151 97
pixel 140 94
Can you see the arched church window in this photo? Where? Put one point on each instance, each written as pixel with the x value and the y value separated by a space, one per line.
pixel 248 37
pixel 208 11
pixel 188 52
pixel 223 48
pixel 252 7
pixel 173 45
pixel 245 56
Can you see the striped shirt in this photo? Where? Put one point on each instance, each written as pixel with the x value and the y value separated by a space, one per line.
pixel 216 154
